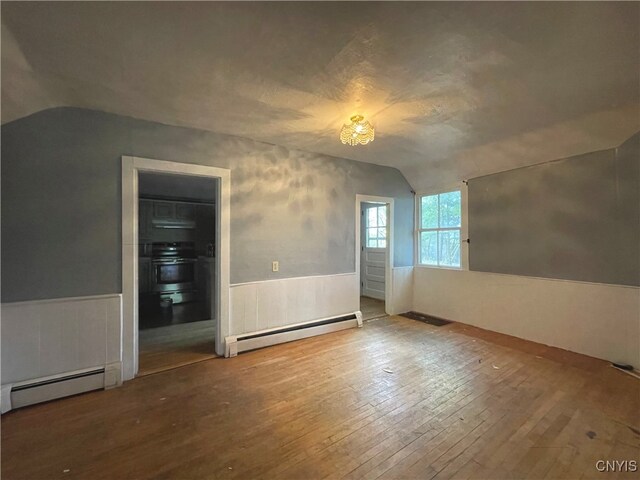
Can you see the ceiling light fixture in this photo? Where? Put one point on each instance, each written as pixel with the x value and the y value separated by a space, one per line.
pixel 358 132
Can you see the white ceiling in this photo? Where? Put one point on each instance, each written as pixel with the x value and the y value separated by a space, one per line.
pixel 455 90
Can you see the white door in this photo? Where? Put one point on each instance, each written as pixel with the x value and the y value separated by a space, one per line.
pixel 373 248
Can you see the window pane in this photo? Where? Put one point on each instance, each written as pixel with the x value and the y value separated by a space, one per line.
pixel 429 211
pixel 382 216
pixel 429 248
pixel 449 241
pixel 450 209
pixel 372 237
pixel 382 243
pixel 372 217
pixel 382 233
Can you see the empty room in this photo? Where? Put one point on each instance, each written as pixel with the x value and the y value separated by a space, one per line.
pixel 313 240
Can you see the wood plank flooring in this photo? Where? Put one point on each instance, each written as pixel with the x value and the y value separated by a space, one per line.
pixel 454 402
pixel 371 308
pixel 174 346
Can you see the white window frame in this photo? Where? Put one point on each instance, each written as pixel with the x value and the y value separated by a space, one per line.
pixel 464 225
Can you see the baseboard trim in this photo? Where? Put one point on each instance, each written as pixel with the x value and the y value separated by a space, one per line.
pixel 38 390
pixel 5 398
pixel 251 341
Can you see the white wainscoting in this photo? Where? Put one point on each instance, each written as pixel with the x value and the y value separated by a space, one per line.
pixel 599 320
pixel 275 303
pixel 402 290
pixel 49 337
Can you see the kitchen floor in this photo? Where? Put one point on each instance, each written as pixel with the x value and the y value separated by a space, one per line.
pixel 153 316
pixel 172 346
pixel 173 336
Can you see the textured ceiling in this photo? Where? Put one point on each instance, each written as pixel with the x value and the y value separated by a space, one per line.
pixel 455 90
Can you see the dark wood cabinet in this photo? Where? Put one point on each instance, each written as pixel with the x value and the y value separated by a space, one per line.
pixel 145 214
pixel 144 275
pixel 185 211
pixel 164 210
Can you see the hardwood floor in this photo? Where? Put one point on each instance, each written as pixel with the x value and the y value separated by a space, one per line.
pixel 371 308
pixel 395 399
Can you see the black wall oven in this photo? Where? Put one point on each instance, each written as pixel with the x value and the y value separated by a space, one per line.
pixel 174 271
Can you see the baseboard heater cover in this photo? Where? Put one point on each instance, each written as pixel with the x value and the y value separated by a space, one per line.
pixel 58 386
pixel 235 344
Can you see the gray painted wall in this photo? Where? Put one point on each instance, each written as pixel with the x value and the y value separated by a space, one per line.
pixel 575 219
pixel 61 201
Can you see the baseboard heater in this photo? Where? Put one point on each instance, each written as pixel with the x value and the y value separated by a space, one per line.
pixel 264 338
pixel 58 386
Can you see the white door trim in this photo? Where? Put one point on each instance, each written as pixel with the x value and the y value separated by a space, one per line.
pixel 130 168
pixel 388 273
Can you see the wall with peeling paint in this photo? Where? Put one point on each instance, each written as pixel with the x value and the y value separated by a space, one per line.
pixel 61 217
pixel 571 219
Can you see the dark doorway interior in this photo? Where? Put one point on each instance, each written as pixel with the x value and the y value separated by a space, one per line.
pixel 177 273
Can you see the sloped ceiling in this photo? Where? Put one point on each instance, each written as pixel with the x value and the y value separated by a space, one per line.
pixel 455 90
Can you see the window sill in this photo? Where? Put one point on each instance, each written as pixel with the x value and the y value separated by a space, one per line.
pixel 436 267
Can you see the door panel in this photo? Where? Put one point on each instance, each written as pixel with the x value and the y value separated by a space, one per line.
pixel 375 271
pixel 373 260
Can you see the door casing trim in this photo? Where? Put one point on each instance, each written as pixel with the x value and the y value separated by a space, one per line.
pixel 131 166
pixel 388 272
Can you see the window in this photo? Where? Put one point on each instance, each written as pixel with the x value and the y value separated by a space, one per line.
pixel 439 229
pixel 376 226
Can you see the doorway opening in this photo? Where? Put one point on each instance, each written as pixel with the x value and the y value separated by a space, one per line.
pixel 176 279
pixel 175 264
pixel 374 255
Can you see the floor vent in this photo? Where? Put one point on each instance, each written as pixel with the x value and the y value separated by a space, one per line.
pixel 428 319
pixel 264 338
pixel 43 390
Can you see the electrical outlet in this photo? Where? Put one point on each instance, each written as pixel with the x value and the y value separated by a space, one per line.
pixel 275 266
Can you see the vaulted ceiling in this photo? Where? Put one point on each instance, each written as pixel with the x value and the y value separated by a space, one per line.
pixel 455 90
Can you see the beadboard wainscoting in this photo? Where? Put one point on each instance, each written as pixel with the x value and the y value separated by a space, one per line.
pixel 257 306
pixel 402 290
pixel 44 338
pixel 599 320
